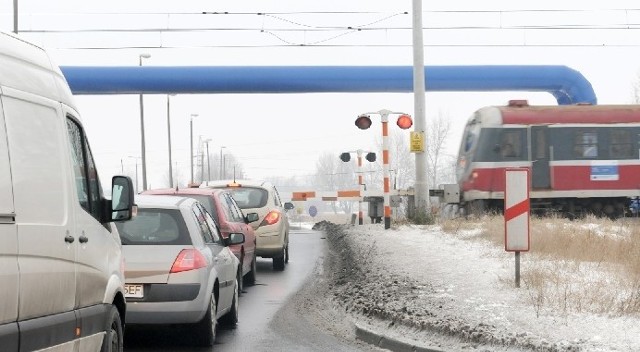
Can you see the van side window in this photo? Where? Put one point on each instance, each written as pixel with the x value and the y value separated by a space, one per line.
pixel 86 176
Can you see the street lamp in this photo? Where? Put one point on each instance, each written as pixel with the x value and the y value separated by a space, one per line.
pixel 404 121
pixel 191 144
pixel 206 143
pixel 143 152
pixel 169 137
pixel 222 173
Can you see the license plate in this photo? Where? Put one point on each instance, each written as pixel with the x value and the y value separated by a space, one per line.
pixel 133 291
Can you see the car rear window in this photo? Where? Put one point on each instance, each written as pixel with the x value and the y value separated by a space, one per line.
pixel 154 226
pixel 247 197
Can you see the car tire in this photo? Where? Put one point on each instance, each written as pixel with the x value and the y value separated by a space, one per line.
pixel 286 253
pixel 278 262
pixel 114 340
pixel 205 330
pixel 240 280
pixel 231 319
pixel 250 278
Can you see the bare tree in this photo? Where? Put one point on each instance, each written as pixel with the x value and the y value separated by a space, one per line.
pixel 332 174
pixel 229 168
pixel 436 136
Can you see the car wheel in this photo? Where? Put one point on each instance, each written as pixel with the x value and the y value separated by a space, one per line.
pixel 231 319
pixel 114 340
pixel 239 280
pixel 286 253
pixel 250 278
pixel 206 329
pixel 278 262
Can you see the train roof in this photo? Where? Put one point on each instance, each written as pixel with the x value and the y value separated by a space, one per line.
pixel 522 114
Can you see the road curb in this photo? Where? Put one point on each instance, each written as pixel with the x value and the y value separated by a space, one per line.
pixel 389 343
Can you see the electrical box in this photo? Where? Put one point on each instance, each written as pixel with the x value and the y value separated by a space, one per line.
pixel 452 193
pixel 376 207
pixel 395 201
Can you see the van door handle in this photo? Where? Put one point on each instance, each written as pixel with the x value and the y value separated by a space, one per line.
pixel 84 239
pixel 69 239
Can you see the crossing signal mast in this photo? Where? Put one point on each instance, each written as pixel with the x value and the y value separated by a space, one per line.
pixel 346 157
pixel 404 121
pixel 371 157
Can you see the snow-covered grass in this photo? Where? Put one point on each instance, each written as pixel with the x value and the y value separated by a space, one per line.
pixel 580 286
pixel 590 265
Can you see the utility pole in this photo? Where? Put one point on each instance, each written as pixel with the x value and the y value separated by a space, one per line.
pixel 422 186
pixel 191 143
pixel 15 16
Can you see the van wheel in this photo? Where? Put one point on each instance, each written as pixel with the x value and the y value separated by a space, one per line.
pixel 114 339
pixel 231 319
pixel 250 278
pixel 205 330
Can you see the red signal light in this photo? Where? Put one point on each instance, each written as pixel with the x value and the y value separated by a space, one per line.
pixel 363 122
pixel 404 121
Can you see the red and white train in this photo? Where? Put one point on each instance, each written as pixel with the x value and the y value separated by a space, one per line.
pixel 582 158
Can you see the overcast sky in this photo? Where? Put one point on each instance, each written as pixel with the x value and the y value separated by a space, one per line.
pixel 283 134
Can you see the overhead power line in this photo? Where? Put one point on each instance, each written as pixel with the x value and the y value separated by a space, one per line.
pixel 339 31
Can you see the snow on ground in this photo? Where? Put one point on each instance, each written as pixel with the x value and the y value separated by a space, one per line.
pixel 419 283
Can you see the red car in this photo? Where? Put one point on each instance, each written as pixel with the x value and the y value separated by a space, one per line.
pixel 230 218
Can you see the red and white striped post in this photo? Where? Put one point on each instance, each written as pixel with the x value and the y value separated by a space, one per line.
pixel 517 213
pixel 361 188
pixel 385 169
pixel 364 122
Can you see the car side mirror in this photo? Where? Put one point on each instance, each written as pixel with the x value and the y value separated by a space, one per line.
pixel 288 206
pixel 234 238
pixel 120 208
pixel 251 217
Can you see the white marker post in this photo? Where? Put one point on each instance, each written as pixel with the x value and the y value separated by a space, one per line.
pixel 516 214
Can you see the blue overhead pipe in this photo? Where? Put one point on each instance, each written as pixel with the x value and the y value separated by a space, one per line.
pixel 568 86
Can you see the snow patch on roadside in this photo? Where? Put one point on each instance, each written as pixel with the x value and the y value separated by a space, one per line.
pixel 423 282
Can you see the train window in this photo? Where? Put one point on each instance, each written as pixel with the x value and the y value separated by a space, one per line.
pixel 586 144
pixel 621 146
pixel 510 144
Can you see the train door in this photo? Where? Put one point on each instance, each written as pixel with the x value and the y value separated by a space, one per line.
pixel 540 171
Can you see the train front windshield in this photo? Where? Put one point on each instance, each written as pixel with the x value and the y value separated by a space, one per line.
pixel 468 145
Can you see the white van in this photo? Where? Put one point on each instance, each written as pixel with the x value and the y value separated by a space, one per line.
pixel 61 265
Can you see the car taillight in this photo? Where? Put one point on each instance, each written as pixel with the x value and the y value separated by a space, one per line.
pixel 271 218
pixel 188 259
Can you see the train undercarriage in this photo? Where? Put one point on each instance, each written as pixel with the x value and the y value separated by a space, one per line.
pixel 571 208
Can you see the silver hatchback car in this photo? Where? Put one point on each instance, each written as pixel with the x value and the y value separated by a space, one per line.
pixel 178 269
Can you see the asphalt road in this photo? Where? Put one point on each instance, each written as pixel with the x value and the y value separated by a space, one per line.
pixel 271 318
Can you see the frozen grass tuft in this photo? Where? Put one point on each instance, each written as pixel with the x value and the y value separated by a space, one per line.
pixel 589 265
